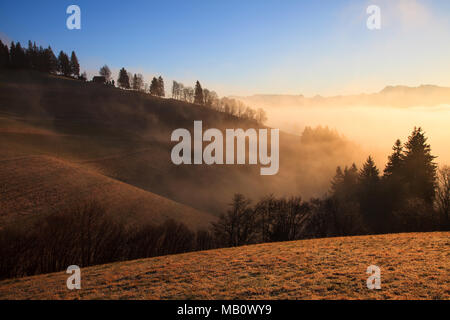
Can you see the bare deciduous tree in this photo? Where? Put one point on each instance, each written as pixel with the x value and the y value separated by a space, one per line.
pixel 105 72
pixel 138 82
pixel 443 195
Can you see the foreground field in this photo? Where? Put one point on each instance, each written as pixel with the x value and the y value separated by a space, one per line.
pixel 413 266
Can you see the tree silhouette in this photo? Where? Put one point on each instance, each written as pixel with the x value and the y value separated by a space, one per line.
pixel 394 180
pixel 161 91
pixel 368 192
pixel 337 181
pixel 4 55
pixel 37 58
pixel 74 65
pixel 345 183
pixel 443 197
pixel 369 174
pixel 175 90
pixel 134 83
pixel 236 226
pixel 33 55
pixel 395 160
pixel 13 55
pixel 287 219
pixel 138 82
pixel 198 94
pixel 420 169
pixel 123 81
pixel 261 116
pixel 83 76
pixel 188 94
pixel 206 97
pixel 154 87
pixel 18 58
pixel 105 72
pixel 64 64
pixel 51 63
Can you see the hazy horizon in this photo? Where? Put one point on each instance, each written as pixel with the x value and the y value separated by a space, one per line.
pixel 252 47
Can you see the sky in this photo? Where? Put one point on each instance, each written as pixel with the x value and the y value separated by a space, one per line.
pixel 245 47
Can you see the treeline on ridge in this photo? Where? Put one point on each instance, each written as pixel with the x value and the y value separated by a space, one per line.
pixel 39 58
pixel 43 59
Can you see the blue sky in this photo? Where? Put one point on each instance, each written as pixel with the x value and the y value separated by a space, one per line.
pixel 249 46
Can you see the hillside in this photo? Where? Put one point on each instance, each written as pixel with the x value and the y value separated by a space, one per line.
pixel 413 266
pixel 38 185
pixel 125 135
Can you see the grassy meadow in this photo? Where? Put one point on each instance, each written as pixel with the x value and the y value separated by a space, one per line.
pixel 413 266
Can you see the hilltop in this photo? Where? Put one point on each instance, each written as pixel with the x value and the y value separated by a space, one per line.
pixel 413 266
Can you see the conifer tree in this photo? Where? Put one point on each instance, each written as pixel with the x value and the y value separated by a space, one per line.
pixel 74 65
pixel 337 181
pixel 32 55
pixel 64 64
pixel 4 55
pixel 393 191
pixel 419 167
pixel 161 91
pixel 198 93
pixel 154 87
pixel 369 199
pixel 123 81
pixel 369 174
pixel 50 63
pixel 344 183
pixel 395 160
pixel 18 58
pixel 135 82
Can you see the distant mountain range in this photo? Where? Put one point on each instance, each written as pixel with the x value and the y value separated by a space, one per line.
pixel 390 96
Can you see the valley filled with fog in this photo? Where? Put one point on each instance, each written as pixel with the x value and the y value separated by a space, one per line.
pixel 374 129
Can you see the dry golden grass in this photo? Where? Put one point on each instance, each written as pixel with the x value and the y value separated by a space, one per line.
pixel 413 266
pixel 36 185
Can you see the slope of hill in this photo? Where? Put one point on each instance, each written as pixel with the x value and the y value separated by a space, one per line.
pixel 37 185
pixel 413 266
pixel 125 135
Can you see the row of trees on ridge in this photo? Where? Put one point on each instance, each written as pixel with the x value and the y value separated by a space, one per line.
pixel 44 60
pixel 38 58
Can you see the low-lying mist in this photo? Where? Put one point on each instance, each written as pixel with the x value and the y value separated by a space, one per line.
pixel 374 129
pixel 126 136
